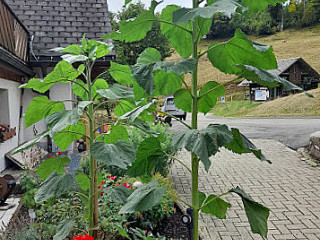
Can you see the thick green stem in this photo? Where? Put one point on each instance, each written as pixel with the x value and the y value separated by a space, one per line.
pixel 194 125
pixel 93 190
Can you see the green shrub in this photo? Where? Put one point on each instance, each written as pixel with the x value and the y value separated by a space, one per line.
pixel 137 136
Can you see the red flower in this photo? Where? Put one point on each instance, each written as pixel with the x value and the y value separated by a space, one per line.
pixel 101 193
pixel 146 231
pixel 59 153
pixel 126 185
pixel 141 215
pixel 50 157
pixel 167 208
pixel 86 237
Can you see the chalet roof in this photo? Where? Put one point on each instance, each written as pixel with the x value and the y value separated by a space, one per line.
pixel 58 23
pixel 283 65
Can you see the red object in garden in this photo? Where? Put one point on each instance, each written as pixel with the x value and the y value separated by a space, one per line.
pixel 59 153
pixel 86 237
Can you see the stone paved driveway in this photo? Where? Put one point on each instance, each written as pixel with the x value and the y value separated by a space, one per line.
pixel 288 186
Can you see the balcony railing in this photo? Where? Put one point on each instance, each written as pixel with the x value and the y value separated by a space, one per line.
pixel 14 36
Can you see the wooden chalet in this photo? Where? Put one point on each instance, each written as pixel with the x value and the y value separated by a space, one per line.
pixel 294 70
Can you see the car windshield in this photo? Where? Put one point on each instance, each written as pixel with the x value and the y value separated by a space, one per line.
pixel 170 101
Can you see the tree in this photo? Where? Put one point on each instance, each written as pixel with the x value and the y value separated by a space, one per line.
pixel 128 53
pixel 311 15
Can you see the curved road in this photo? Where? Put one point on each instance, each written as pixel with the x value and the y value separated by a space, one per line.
pixel 291 131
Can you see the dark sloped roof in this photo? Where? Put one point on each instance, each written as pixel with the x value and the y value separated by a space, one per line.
pixel 283 65
pixel 58 23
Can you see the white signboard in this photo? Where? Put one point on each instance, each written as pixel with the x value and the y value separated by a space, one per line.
pixel 261 95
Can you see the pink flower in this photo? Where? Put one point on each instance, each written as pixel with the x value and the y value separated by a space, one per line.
pixel 146 231
pixel 74 204
pixel 141 215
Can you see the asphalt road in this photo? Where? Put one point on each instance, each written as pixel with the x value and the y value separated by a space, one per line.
pixel 294 132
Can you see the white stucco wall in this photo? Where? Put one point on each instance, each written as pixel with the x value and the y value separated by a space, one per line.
pixel 14 94
pixel 27 134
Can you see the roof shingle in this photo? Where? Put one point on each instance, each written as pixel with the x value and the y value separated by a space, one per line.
pixel 58 23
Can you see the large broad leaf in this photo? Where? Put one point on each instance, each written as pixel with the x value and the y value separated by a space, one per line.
pixel 258 5
pixel 144 126
pixel 147 157
pixel 205 142
pixel 183 100
pixel 99 84
pixel 40 108
pixel 83 181
pixel 50 165
pixel 124 106
pixel 119 194
pixel 209 100
pixel 213 205
pixel 78 88
pixel 54 186
pixel 98 49
pixel 136 112
pixel 117 132
pixel 179 39
pixel 137 29
pixel 32 142
pixel 120 154
pixel 144 198
pixel 186 65
pixel 265 78
pixel 60 120
pixel 121 73
pixel 241 50
pixel 226 7
pixel 149 64
pixel 166 83
pixel 63 229
pixel 240 144
pixel 143 70
pixel 71 59
pixel 62 73
pixel 117 91
pixel 257 214
pixel 69 134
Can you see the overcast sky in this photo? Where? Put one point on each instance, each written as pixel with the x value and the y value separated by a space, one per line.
pixel 116 5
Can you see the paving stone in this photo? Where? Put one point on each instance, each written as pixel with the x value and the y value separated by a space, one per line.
pixel 289 187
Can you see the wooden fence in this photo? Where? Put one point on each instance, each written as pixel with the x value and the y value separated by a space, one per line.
pixel 14 36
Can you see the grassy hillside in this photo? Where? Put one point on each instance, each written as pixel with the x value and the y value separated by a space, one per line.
pixel 303 43
pixel 293 105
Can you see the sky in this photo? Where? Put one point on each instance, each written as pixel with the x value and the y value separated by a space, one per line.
pixel 116 5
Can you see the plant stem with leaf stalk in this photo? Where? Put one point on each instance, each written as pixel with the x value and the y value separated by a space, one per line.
pixel 93 190
pixel 194 125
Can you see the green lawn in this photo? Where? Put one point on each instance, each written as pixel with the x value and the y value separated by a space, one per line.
pixel 233 109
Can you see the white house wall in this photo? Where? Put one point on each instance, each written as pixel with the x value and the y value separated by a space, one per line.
pixel 29 133
pixel 14 94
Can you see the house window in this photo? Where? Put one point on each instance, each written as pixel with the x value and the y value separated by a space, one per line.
pixel 4 106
